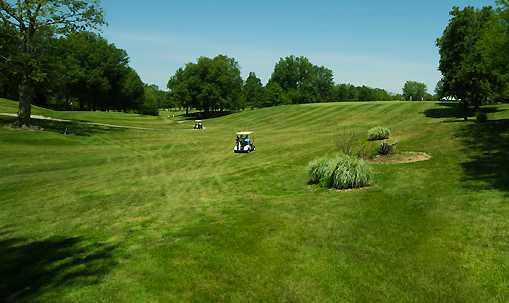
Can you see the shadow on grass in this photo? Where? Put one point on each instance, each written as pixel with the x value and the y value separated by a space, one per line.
pixel 29 268
pixel 61 127
pixel 204 115
pixel 454 110
pixel 488 145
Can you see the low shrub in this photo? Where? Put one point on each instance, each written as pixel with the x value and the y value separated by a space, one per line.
pixel 379 133
pixel 341 172
pixel 481 117
pixel 387 148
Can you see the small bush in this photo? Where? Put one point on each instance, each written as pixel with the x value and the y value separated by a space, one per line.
pixel 481 117
pixel 387 148
pixel 341 172
pixel 379 133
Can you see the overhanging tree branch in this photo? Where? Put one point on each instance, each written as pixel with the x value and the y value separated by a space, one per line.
pixel 9 10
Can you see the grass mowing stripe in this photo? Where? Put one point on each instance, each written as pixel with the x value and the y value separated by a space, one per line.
pixel 191 221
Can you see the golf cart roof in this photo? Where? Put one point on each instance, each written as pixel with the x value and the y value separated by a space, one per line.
pixel 244 133
pixel 198 121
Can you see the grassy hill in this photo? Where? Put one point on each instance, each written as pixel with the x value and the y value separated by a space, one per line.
pixel 172 215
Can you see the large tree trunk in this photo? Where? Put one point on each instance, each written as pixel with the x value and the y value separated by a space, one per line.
pixel 25 102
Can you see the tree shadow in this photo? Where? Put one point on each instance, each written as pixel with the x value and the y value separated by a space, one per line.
pixel 29 268
pixel 454 110
pixel 488 147
pixel 62 127
pixel 206 115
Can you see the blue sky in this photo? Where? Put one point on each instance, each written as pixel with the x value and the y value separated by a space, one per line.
pixel 372 42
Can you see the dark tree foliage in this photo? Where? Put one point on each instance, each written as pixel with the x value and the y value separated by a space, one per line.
pixel 27 23
pixel 253 92
pixel 494 45
pixel 154 99
pixel 349 92
pixel 210 84
pixel 81 70
pixel 97 74
pixel 274 95
pixel 467 73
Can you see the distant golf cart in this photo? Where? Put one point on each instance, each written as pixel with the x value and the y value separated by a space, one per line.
pixel 244 143
pixel 198 124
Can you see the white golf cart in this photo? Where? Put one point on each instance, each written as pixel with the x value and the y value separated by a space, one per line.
pixel 244 143
pixel 198 124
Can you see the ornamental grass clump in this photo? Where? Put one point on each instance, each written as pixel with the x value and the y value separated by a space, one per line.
pixel 340 172
pixel 315 170
pixel 320 172
pixel 351 172
pixel 379 133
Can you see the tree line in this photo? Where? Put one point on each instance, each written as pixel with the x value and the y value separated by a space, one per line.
pixel 211 84
pixel 474 56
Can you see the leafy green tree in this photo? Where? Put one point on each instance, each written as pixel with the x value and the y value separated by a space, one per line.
pixel 26 20
pixel 180 88
pixel 302 81
pixel 439 90
pixel 322 82
pixel 274 95
pixel 158 99
pixel 8 77
pixel 132 92
pixel 414 91
pixel 493 47
pixel 210 84
pixel 349 92
pixel 344 92
pixel 94 72
pixel 253 91
pixel 466 74
pixel 151 100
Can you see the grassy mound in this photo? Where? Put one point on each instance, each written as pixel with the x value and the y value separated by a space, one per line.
pixel 379 133
pixel 341 172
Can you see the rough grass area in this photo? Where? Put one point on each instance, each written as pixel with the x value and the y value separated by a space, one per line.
pixel 172 215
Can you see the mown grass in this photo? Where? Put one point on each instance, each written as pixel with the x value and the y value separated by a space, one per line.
pixel 172 215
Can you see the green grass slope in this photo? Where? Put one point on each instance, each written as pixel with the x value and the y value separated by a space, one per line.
pixel 115 118
pixel 172 215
